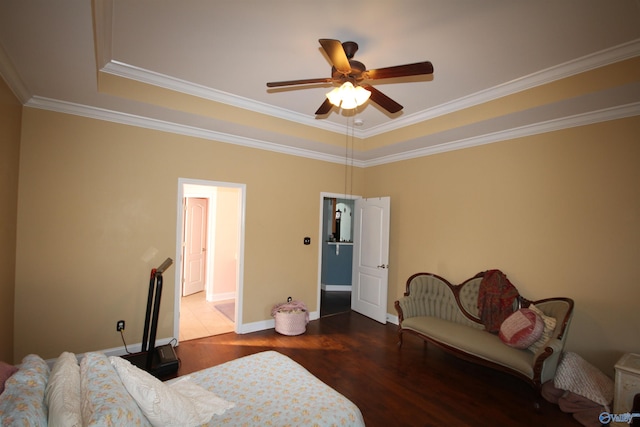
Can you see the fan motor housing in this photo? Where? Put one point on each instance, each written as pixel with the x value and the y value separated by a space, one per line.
pixel 357 68
pixel 350 49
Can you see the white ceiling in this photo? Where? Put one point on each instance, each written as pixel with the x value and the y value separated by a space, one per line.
pixel 226 50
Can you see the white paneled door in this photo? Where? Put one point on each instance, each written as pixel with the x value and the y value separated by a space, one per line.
pixel 371 257
pixel 195 245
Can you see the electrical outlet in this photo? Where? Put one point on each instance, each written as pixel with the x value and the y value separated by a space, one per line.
pixel 120 325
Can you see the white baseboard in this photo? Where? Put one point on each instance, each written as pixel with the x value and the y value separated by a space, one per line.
pixel 392 319
pixel 117 351
pixel 334 288
pixel 134 348
pixel 244 329
pixel 247 328
pixel 222 297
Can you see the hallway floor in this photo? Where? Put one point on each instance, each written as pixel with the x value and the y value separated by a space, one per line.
pixel 334 302
pixel 199 318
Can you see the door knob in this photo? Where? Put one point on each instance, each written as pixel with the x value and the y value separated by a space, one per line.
pixel 383 266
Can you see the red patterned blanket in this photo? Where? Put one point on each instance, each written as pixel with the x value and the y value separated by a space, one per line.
pixel 496 295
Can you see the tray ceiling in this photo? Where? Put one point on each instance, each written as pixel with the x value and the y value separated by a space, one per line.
pixel 199 67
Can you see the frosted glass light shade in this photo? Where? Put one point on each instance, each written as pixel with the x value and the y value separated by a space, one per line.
pixel 348 97
pixel 335 97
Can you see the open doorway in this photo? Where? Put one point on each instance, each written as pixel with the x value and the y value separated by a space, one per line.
pixel 336 253
pixel 209 258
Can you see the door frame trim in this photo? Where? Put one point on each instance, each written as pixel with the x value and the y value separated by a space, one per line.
pixel 324 195
pixel 182 182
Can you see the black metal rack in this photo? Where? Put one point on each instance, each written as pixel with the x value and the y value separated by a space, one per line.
pixel 159 361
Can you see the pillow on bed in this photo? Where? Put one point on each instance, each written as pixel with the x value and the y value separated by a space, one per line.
pixel 104 400
pixel 6 371
pixel 62 394
pixel 183 403
pixel 521 329
pixel 22 402
pixel 549 328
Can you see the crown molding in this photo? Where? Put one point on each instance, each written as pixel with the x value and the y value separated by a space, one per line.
pixel 618 112
pixel 613 113
pixel 11 76
pixel 103 39
pixel 103 22
pixel 132 72
pixel 549 75
pixel 570 68
pixel 102 31
pixel 164 126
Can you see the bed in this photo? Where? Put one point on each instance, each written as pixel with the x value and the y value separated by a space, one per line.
pixel 263 389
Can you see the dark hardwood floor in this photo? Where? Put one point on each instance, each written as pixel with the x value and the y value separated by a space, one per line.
pixel 334 302
pixel 416 385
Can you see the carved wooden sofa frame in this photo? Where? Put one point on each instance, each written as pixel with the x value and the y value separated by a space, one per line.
pixel 432 300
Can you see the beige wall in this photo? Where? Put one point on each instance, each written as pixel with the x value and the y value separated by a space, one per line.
pixel 226 248
pixel 559 213
pixel 96 198
pixel 10 122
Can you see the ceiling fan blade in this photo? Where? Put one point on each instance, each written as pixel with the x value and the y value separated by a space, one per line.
pixel 299 82
pixel 383 100
pixel 400 71
pixel 324 108
pixel 336 54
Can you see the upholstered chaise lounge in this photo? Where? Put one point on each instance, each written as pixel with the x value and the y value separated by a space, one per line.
pixel 448 316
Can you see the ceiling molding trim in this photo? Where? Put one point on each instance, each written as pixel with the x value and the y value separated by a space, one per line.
pixel 613 113
pixel 103 30
pixel 103 38
pixel 164 126
pixel 103 27
pixel 570 68
pixel 132 72
pixel 549 75
pixel 11 76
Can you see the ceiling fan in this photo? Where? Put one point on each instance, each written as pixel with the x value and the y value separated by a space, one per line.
pixel 347 70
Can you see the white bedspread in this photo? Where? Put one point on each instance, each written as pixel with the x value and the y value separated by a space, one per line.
pixel 270 389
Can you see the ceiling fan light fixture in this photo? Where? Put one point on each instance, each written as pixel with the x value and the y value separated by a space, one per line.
pixel 362 95
pixel 349 102
pixel 335 96
pixel 348 97
pixel 344 68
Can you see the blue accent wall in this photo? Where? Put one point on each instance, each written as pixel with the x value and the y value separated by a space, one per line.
pixel 336 269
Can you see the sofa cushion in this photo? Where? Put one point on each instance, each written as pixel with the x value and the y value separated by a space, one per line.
pixel 105 401
pixel 62 394
pixel 547 332
pixel 22 402
pixel 521 329
pixel 473 341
